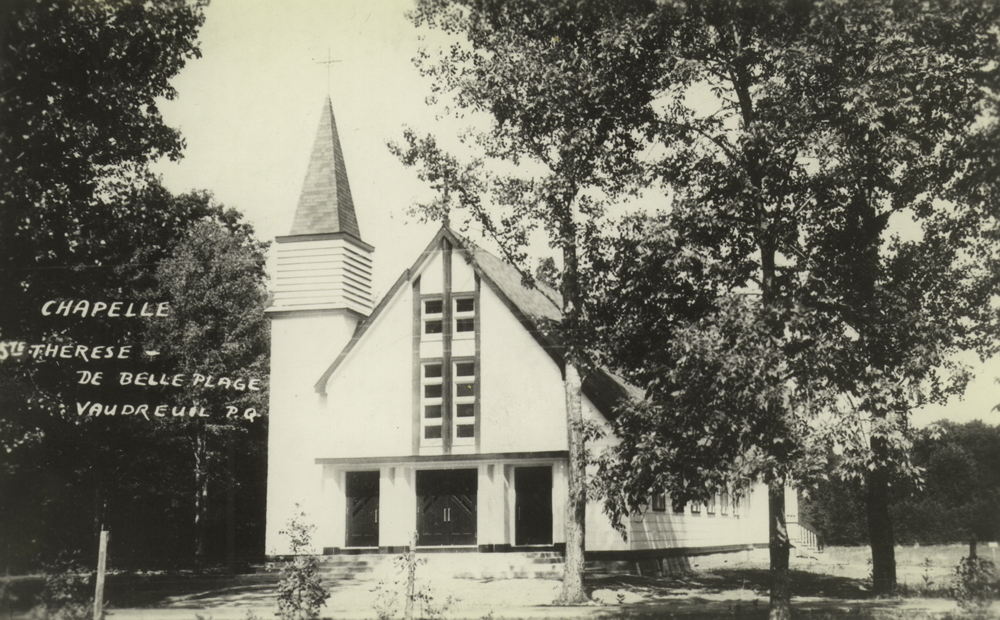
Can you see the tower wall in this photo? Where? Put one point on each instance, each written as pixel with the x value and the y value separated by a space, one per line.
pixel 324 271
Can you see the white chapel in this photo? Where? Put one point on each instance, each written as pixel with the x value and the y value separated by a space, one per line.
pixel 439 410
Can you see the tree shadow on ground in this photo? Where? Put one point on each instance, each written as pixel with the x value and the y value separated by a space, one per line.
pixel 716 581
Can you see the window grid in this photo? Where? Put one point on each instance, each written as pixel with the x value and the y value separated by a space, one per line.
pixel 464 315
pixel 464 400
pixel 432 320
pixel 432 399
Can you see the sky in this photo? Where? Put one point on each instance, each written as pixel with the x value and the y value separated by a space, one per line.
pixel 249 110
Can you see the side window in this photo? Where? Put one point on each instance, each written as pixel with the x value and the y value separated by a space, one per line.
pixel 710 506
pixel 724 503
pixel 660 502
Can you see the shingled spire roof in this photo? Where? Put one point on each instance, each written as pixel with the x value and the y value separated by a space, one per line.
pixel 325 205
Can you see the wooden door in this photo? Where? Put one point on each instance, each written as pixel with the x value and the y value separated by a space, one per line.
pixel 362 508
pixel 446 507
pixel 533 506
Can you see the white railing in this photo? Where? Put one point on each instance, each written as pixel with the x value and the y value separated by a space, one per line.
pixel 801 536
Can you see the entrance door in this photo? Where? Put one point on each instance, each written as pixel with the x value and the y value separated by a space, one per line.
pixel 446 506
pixel 362 508
pixel 533 505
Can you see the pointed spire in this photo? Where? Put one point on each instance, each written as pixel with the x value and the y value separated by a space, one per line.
pixel 325 205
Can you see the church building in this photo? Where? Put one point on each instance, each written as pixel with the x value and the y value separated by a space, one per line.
pixel 438 412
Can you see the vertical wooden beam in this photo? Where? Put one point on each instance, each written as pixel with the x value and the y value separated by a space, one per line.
pixel 479 366
pixel 418 329
pixel 102 557
pixel 447 378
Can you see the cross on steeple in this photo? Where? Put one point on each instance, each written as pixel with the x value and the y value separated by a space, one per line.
pixel 327 62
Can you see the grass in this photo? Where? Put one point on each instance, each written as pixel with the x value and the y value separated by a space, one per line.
pixel 832 585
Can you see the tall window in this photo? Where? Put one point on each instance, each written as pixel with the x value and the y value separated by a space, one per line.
pixel 724 503
pixel 710 506
pixel 432 402
pixel 464 399
pixel 433 316
pixel 465 315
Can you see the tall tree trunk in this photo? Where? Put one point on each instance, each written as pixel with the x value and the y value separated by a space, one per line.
pixel 781 595
pixel 880 535
pixel 200 496
pixel 880 532
pixel 231 503
pixel 573 591
pixel 778 544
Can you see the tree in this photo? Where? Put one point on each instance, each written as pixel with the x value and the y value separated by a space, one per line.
pixel 563 93
pixel 78 88
pixel 902 94
pixel 826 121
pixel 956 501
pixel 214 282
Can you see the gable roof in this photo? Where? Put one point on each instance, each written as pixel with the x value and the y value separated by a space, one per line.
pixel 325 204
pixel 538 308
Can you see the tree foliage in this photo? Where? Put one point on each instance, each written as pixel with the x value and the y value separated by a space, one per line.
pixel 79 83
pixel 795 136
pixel 956 502
pixel 562 93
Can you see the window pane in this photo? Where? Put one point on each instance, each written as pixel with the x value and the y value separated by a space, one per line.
pixel 465 305
pixel 465 430
pixel 465 369
pixel 465 411
pixel 465 389
pixel 465 325
pixel 432 411
pixel 659 502
pixel 679 508
pixel 433 306
pixel 432 391
pixel 433 327
pixel 432 432
pixel 432 370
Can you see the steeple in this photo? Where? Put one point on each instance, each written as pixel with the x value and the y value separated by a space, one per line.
pixel 323 265
pixel 326 205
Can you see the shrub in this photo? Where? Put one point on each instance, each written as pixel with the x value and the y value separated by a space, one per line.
pixel 975 586
pixel 301 594
pixel 66 594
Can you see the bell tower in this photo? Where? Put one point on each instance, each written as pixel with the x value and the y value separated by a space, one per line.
pixel 322 291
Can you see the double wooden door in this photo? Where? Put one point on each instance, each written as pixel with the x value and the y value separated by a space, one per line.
pixel 446 507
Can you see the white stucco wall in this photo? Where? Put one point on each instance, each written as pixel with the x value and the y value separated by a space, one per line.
pixel 746 525
pixel 369 407
pixel 302 347
pixel 522 398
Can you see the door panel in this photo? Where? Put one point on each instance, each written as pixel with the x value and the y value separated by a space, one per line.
pixel 362 508
pixel 533 505
pixel 446 507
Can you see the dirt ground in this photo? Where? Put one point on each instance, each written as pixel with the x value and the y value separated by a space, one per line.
pixel 828 585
